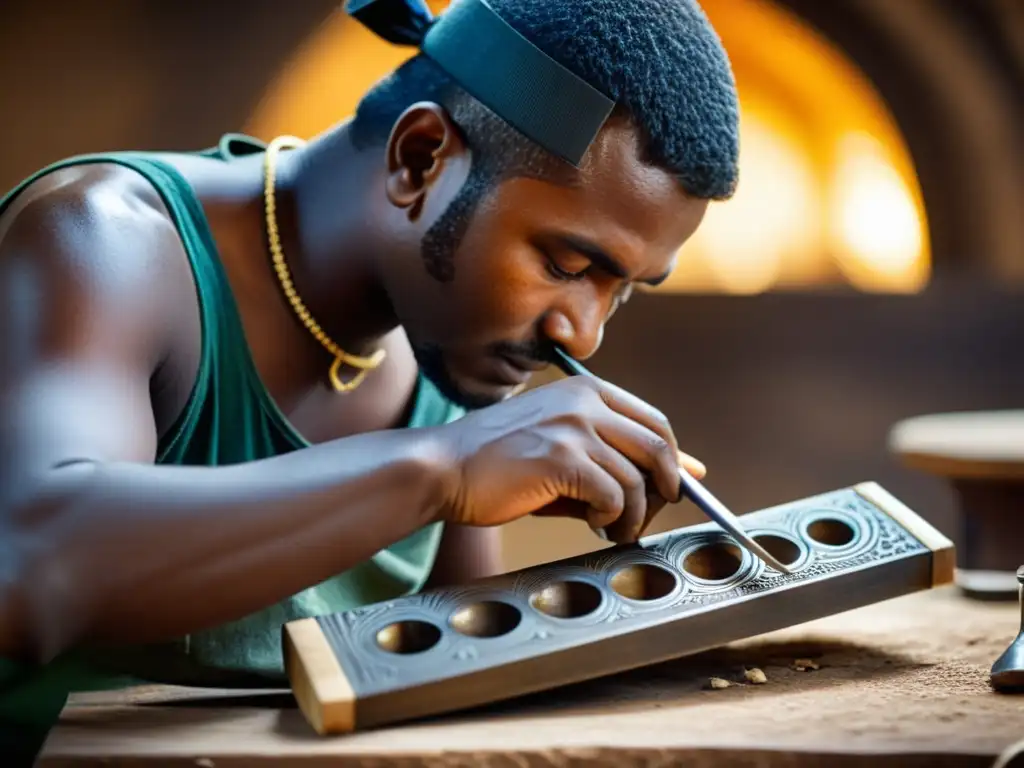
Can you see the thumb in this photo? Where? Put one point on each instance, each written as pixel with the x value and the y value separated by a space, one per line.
pixel 691 465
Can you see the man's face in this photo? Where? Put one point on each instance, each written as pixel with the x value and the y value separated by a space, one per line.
pixel 542 264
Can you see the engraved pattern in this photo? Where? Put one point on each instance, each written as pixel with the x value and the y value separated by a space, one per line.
pixel 877 538
pixel 610 562
pixel 533 580
pixel 344 633
pixel 749 567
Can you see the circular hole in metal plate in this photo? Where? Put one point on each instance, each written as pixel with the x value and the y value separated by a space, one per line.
pixel 831 532
pixel 410 636
pixel 567 599
pixel 714 562
pixel 785 550
pixel 491 618
pixel 643 582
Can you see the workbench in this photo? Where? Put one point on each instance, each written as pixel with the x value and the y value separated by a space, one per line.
pixel 902 683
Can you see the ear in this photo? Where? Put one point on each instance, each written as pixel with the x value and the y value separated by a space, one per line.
pixel 423 141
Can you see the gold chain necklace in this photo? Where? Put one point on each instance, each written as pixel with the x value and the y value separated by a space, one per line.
pixel 363 364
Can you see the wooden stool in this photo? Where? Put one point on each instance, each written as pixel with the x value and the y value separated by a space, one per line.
pixel 981 455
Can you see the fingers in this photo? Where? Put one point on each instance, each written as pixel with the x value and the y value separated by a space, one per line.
pixel 617 458
pixel 650 452
pixel 655 503
pixel 692 465
pixel 645 449
pixel 627 525
pixel 580 510
pixel 632 407
pixel 599 490
pixel 612 489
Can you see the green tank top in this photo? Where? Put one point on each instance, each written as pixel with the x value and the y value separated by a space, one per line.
pixel 229 418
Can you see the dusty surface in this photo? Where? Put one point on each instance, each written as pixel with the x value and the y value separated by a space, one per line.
pixel 904 682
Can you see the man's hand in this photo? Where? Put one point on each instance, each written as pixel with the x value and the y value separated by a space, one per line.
pixel 579 448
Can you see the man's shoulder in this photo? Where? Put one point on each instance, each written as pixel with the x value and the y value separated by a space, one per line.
pixel 96 220
pixel 87 249
pixel 94 193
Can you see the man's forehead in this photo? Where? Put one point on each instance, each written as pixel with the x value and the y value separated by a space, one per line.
pixel 630 198
pixel 628 206
pixel 615 164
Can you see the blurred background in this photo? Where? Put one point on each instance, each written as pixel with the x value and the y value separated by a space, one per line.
pixel 870 268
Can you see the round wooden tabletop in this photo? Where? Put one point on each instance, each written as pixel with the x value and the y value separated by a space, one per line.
pixel 968 444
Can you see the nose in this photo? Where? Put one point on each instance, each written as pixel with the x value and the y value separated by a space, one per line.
pixel 577 327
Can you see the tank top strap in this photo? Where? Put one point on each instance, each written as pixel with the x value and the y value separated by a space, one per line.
pixel 235 145
pixel 229 416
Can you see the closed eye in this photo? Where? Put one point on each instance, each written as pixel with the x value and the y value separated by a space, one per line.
pixel 559 271
pixel 596 256
pixel 561 274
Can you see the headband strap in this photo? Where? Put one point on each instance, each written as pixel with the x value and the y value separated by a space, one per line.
pixel 487 57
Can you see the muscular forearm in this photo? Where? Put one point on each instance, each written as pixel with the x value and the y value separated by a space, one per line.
pixel 136 553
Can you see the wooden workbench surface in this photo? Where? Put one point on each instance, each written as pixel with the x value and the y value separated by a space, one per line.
pixel 904 683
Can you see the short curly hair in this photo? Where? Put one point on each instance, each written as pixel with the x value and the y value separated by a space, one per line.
pixel 659 60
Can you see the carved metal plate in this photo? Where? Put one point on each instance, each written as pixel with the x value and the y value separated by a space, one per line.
pixel 452 632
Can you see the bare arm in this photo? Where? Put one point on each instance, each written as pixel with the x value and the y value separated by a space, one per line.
pixel 98 544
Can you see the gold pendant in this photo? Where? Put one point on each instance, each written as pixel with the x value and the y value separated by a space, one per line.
pixel 364 364
pixel 338 384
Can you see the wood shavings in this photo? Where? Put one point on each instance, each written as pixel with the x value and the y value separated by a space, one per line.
pixel 755 676
pixel 802 665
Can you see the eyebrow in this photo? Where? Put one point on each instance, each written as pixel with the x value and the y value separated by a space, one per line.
pixel 603 259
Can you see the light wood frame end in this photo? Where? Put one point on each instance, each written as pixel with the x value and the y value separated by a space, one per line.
pixel 320 685
pixel 942 548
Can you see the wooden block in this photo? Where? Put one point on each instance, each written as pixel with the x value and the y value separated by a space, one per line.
pixel 671 595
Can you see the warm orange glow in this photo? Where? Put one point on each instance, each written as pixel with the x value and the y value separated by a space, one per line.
pixel 325 80
pixel 770 232
pixel 876 231
pixel 828 193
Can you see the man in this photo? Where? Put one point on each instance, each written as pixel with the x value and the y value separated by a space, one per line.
pixel 256 383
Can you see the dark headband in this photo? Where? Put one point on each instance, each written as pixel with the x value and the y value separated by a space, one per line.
pixel 499 67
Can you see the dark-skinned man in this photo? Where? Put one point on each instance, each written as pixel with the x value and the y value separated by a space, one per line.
pixel 256 383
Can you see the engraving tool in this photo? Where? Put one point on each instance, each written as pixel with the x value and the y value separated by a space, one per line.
pixel 689 486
